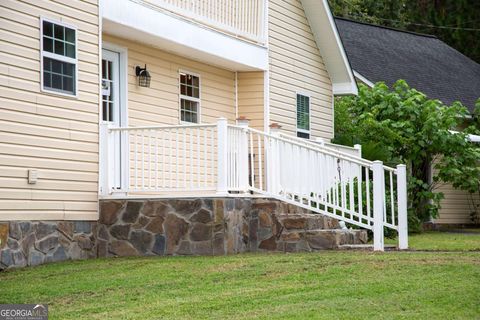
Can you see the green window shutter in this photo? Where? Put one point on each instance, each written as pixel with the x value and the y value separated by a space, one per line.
pixel 303 112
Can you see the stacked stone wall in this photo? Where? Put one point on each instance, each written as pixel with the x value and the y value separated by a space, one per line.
pixel 215 226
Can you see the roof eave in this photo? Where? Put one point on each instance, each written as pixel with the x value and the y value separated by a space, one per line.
pixel 330 45
pixel 344 89
pixel 363 79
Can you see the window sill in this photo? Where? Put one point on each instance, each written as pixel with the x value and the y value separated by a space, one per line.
pixel 60 94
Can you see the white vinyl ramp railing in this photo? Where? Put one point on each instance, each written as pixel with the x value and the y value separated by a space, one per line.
pixel 229 160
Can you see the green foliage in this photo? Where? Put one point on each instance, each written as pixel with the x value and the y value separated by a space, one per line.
pixel 453 21
pixel 401 125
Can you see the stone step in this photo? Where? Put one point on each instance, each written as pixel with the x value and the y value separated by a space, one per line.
pixel 360 247
pixel 366 247
pixel 317 239
pixel 306 221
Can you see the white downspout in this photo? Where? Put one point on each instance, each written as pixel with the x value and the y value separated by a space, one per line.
pixel 236 94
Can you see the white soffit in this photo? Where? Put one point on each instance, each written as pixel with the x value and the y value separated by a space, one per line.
pixel 134 21
pixel 330 45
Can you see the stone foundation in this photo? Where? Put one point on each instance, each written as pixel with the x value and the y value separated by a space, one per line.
pixel 32 243
pixel 174 227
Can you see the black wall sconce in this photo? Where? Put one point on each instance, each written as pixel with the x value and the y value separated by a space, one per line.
pixel 143 76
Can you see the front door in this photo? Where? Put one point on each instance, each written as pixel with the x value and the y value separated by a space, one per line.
pixel 111 112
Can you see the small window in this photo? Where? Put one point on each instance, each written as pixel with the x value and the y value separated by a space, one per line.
pixel 189 97
pixel 303 116
pixel 59 58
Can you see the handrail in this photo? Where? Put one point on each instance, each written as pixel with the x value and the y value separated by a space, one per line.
pixel 340 155
pixel 318 145
pixel 180 126
pixel 282 137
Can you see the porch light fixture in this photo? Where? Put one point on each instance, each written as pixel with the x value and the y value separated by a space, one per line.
pixel 143 76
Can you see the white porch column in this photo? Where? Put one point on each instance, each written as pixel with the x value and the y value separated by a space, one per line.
pixel 378 199
pixel 273 174
pixel 402 207
pixel 105 168
pixel 222 149
pixel 320 141
pixel 243 154
pixel 358 147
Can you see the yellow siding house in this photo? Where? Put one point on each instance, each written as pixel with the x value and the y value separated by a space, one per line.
pixel 106 104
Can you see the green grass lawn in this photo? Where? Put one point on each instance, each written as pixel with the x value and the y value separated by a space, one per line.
pixel 325 285
pixel 444 241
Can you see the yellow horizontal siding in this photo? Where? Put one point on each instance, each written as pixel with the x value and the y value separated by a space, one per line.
pixel 296 66
pixel 456 206
pixel 56 135
pixel 159 104
pixel 251 98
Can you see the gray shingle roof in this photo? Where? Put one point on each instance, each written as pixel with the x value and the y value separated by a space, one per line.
pixel 425 62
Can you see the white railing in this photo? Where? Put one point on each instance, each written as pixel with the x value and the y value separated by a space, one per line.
pixel 228 159
pixel 355 151
pixel 241 18
pixel 166 158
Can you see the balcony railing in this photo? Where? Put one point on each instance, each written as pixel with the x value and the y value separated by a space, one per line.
pixel 240 18
pixel 231 160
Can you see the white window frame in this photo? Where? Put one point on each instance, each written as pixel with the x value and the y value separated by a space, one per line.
pixel 309 132
pixel 181 96
pixel 58 58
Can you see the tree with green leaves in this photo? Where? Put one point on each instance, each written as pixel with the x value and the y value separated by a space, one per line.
pixel 401 125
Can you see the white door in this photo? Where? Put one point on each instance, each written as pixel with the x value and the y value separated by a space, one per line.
pixel 111 112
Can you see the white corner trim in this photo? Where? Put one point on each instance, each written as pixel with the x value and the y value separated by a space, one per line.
pixel 363 79
pixel 266 101
pixel 236 95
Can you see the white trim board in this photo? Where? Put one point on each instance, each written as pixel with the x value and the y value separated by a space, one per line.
pixel 363 79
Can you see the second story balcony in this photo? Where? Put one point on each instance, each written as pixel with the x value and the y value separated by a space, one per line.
pixel 226 33
pixel 240 18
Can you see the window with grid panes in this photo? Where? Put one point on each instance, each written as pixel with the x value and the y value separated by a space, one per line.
pixel 107 96
pixel 189 97
pixel 59 58
pixel 303 116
